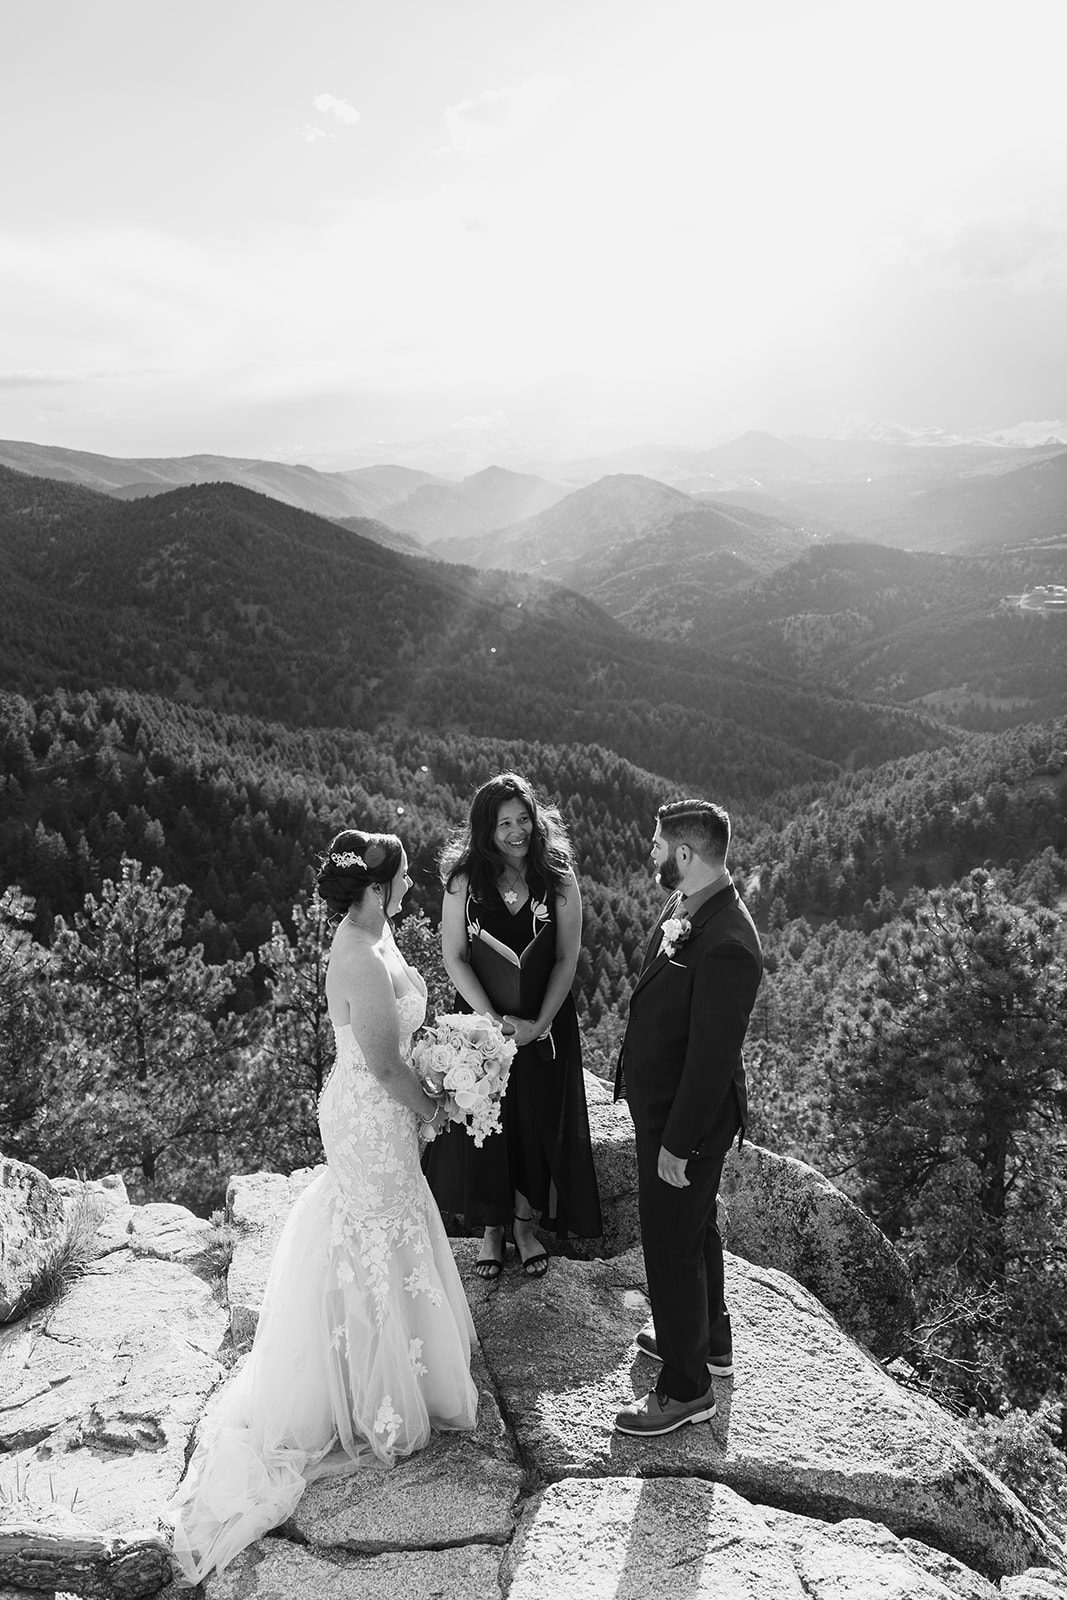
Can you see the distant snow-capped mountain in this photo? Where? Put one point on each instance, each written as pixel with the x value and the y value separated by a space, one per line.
pixel 1031 434
pixel 1022 435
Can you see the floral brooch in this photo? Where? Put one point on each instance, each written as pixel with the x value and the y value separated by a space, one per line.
pixel 674 932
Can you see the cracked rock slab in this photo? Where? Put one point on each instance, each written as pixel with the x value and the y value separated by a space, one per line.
pixel 101 1393
pixel 460 1490
pixel 631 1539
pixel 275 1568
pixel 873 1560
pixel 810 1422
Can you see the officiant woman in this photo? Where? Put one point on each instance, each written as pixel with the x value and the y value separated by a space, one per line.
pixel 511 928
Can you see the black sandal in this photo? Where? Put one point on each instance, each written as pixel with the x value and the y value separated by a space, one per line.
pixel 536 1265
pixel 490 1267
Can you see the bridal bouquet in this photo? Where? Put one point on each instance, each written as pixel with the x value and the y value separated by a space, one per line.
pixel 467 1059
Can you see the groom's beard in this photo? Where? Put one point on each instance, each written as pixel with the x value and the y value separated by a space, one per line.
pixel 669 874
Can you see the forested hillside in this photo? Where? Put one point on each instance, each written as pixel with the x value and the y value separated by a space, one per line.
pixel 220 597
pixel 905 627
pixel 930 631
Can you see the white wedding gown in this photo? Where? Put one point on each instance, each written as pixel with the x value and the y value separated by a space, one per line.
pixel 364 1337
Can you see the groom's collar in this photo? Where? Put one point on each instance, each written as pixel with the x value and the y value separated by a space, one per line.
pixel 691 904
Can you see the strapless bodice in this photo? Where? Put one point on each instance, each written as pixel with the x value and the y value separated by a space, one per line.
pixel 412 1009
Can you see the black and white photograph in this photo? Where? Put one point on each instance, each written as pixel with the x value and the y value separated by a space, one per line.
pixel 533 800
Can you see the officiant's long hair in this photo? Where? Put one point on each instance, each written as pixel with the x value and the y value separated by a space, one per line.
pixel 472 850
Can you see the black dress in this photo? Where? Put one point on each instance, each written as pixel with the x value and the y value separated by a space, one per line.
pixel 543 1148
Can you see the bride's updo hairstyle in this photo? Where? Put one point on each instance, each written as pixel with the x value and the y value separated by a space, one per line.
pixel 353 863
pixel 473 850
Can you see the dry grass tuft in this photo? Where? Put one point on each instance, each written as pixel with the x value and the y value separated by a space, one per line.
pixel 64 1262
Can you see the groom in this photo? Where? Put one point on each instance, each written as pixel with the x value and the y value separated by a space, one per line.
pixel 684 1079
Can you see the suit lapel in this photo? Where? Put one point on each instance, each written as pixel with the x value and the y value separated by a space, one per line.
pixel 670 906
pixel 655 960
pixel 726 896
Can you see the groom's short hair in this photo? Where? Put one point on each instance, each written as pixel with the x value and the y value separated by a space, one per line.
pixel 701 824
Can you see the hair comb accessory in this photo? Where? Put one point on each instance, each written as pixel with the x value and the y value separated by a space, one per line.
pixel 349 858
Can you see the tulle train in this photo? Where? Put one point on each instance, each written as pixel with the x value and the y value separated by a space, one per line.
pixel 363 1343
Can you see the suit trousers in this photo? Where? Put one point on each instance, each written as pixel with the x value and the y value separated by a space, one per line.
pixel 683 1259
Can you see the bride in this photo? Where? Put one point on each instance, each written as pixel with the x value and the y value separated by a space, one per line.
pixel 364 1337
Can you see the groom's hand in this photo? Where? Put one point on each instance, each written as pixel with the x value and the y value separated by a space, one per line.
pixel 672 1169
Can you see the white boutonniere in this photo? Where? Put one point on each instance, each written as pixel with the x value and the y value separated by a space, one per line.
pixel 674 932
pixel 539 910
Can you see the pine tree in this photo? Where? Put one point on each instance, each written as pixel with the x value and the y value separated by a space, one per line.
pixel 149 1075
pixel 296 1049
pixel 949 1083
pixel 27 1027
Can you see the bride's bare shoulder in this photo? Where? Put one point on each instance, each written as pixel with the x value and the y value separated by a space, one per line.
pixel 356 957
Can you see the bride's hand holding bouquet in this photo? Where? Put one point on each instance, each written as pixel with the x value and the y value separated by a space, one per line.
pixel 465 1058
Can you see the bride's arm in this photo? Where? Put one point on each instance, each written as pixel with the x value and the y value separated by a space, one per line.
pixel 455 950
pixel 372 1010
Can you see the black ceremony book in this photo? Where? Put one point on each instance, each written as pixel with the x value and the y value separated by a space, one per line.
pixel 514 983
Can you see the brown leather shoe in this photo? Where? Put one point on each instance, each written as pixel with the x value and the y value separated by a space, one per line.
pixel 658 1413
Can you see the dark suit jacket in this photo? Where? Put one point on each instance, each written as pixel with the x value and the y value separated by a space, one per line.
pixel 681 1060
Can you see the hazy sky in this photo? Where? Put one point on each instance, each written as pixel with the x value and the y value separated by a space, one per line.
pixel 298 229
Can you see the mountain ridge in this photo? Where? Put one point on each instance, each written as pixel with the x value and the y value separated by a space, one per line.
pixel 227 598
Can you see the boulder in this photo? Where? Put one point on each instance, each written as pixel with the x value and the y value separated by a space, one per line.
pixel 630 1538
pixel 103 1193
pixel 810 1423
pixel 171 1233
pixel 1039 1583
pixel 106 1205
pixel 32 1224
pixel 785 1215
pixel 257 1204
pixel 612 1132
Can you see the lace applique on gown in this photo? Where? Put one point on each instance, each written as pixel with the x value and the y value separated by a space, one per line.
pixel 364 1337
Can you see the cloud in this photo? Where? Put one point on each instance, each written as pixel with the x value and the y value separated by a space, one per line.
pixel 476 427
pixel 311 134
pixel 330 106
pixel 499 116
pixel 1024 250
pixel 35 380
